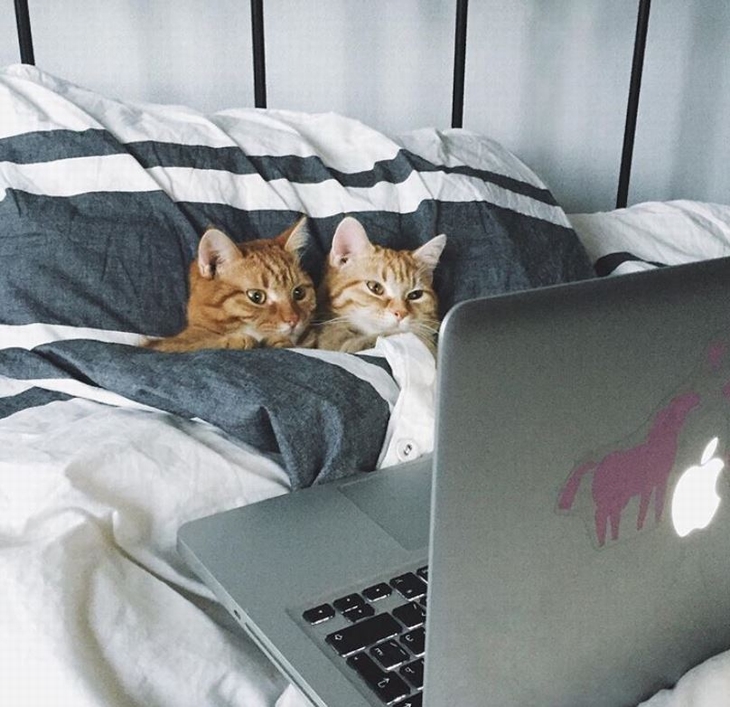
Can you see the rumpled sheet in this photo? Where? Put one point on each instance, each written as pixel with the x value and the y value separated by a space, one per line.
pixel 98 608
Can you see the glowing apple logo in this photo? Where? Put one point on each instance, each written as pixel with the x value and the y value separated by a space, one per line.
pixel 695 499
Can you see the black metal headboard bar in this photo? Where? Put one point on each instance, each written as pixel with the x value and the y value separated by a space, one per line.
pixel 25 38
pixel 259 54
pixel 632 109
pixel 457 102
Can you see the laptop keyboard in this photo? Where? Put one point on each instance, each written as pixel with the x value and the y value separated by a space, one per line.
pixel 379 632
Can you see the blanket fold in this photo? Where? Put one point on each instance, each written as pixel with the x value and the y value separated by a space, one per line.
pixel 324 421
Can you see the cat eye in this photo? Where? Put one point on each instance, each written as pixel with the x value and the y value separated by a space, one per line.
pixel 415 294
pixel 299 293
pixel 256 296
pixel 375 287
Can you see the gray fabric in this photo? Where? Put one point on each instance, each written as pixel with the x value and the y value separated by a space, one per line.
pixel 320 421
pixel 33 397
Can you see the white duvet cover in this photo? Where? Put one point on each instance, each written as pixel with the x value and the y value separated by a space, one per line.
pixel 97 607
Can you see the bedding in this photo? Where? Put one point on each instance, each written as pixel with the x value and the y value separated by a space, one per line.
pixel 102 212
pixel 653 234
pixel 106 448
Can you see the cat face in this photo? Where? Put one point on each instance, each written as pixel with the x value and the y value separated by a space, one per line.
pixel 381 291
pixel 255 289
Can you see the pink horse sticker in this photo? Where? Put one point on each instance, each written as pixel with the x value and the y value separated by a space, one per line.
pixel 637 471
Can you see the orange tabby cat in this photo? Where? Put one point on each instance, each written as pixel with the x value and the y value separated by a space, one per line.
pixel 247 294
pixel 369 291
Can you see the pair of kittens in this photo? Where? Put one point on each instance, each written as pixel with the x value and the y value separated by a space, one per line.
pixel 245 295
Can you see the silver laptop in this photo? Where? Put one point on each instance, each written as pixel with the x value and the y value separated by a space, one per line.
pixel 576 549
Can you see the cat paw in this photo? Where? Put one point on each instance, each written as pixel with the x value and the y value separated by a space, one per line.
pixel 278 342
pixel 239 341
pixel 358 344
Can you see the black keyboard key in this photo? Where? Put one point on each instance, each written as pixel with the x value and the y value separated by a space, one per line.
pixel 318 614
pixel 377 591
pixel 388 686
pixel 349 602
pixel 364 633
pixel 359 612
pixel 422 572
pixel 413 672
pixel 410 614
pixel 409 586
pixel 415 641
pixel 390 654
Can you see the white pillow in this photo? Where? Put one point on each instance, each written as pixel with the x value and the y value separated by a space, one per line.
pixel 654 233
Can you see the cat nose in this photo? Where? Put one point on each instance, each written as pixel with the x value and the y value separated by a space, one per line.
pixel 398 312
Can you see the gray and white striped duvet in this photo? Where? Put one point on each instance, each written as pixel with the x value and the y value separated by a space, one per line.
pixel 101 207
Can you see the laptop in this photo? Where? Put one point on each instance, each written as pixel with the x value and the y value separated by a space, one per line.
pixel 565 546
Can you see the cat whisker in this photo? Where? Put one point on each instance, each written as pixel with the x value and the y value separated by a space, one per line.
pixel 332 320
pixel 417 327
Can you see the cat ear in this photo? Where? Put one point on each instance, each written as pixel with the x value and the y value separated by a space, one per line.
pixel 430 252
pixel 294 239
pixel 215 252
pixel 350 239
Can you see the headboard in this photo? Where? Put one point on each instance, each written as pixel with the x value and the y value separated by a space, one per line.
pixel 27 55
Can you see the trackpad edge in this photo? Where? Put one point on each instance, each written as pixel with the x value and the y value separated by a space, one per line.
pixel 399 501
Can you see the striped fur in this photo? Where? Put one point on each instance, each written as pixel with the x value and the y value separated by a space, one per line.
pixel 246 295
pixel 369 291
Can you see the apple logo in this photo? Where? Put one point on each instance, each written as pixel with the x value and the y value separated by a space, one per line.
pixel 695 498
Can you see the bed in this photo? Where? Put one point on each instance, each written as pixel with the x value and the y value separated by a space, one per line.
pixel 106 447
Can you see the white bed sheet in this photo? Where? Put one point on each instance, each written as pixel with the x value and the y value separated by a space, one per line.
pixel 98 608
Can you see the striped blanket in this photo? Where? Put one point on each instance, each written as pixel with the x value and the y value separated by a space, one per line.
pixel 103 203
pixel 107 448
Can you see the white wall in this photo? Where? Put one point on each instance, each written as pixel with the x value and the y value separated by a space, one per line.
pixel 548 78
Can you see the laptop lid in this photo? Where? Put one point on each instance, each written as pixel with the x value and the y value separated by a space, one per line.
pixel 576 426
